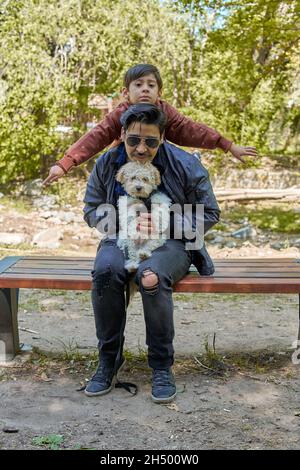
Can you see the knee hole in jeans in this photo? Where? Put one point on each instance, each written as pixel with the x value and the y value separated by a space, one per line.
pixel 150 281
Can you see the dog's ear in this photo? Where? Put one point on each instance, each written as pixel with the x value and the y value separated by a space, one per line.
pixel 120 176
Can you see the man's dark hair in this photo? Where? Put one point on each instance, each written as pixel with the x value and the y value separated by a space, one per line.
pixel 140 70
pixel 145 113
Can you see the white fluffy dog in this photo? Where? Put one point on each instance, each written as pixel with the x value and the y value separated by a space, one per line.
pixel 140 182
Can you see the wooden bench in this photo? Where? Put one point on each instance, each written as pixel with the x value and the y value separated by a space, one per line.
pixel 243 276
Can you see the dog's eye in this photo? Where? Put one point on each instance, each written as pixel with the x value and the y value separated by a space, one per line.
pixel 145 180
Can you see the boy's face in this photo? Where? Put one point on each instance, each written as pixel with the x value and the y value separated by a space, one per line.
pixel 142 90
pixel 141 142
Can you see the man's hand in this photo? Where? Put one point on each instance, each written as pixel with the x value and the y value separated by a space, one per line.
pixel 238 152
pixel 145 225
pixel 55 173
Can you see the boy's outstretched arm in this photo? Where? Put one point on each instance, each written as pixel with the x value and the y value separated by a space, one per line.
pixel 97 139
pixel 55 173
pixel 182 130
pixel 239 151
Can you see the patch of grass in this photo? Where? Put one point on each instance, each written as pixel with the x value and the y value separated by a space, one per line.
pixel 19 246
pixel 275 219
pixel 141 356
pixel 29 304
pixel 221 227
pixel 71 351
pixel 286 162
pixel 68 190
pixel 72 356
pixel 259 362
pixel 211 358
pixel 21 204
pixel 211 361
pixel 182 297
pixel 51 442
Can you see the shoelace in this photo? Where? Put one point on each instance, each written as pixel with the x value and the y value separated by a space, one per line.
pixel 102 372
pixel 162 377
pixel 128 386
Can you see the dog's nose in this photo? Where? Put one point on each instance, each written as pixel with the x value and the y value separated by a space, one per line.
pixel 138 188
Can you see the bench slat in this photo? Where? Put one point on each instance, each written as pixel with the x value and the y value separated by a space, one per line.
pixel 224 273
pixel 218 265
pixel 188 284
pixel 7 262
pixel 79 259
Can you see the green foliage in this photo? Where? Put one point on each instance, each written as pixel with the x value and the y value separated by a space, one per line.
pixel 275 219
pixel 51 442
pixel 231 64
pixel 249 60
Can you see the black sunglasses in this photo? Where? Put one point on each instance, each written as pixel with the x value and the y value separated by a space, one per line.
pixel 134 141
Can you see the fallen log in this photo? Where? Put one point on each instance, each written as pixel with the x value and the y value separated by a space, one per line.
pixel 248 194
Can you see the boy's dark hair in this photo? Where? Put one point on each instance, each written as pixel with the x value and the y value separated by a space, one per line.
pixel 140 70
pixel 145 113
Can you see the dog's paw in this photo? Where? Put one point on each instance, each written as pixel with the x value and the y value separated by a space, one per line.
pixel 144 255
pixel 131 266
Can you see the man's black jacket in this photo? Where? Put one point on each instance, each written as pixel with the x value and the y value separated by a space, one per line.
pixel 184 179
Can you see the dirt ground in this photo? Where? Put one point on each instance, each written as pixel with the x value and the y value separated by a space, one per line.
pixel 242 395
pixel 238 387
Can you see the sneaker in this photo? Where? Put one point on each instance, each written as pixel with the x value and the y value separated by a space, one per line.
pixel 104 379
pixel 163 386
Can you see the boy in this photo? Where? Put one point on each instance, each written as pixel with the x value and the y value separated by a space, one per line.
pixel 143 84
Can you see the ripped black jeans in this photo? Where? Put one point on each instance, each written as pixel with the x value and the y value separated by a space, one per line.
pixel 170 263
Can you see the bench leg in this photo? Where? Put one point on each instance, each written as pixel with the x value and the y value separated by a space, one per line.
pixel 9 334
pixel 299 324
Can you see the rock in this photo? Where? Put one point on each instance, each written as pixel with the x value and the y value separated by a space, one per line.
pixel 66 216
pixel 74 247
pixel 12 238
pixel 296 243
pixel 211 235
pixel 55 221
pixel 63 217
pixel 32 188
pixel 230 244
pixel 245 232
pixel 47 214
pixel 277 245
pixel 218 240
pixel 47 238
pixel 45 202
pixel 10 429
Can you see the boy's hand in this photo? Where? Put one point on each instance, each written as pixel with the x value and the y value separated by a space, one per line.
pixel 55 173
pixel 238 152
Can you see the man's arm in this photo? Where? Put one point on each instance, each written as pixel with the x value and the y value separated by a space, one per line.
pixel 182 130
pixel 95 196
pixel 97 213
pixel 199 190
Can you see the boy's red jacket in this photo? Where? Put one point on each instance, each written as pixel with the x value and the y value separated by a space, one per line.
pixel 180 130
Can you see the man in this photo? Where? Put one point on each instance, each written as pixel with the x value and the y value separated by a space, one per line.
pixel 185 181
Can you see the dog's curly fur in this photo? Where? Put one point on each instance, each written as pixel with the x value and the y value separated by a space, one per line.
pixel 140 182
